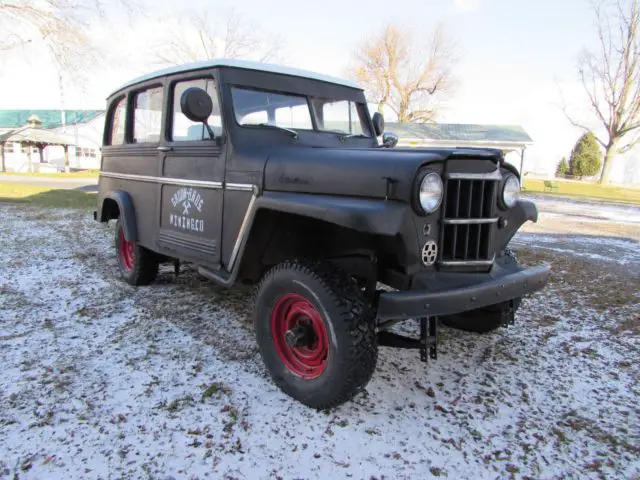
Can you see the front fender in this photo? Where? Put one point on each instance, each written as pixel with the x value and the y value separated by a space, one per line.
pixel 126 209
pixel 375 216
pixel 515 217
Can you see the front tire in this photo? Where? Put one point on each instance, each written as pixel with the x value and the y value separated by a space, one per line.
pixel 315 339
pixel 137 265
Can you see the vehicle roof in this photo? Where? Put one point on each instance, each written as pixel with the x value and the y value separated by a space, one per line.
pixel 245 64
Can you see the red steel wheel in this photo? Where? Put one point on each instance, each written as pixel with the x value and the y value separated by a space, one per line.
pixel 126 251
pixel 300 336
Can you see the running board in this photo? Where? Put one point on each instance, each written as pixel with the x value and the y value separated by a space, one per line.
pixel 221 277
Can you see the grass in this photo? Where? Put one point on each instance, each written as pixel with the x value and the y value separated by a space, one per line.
pixel 75 174
pixel 586 190
pixel 46 197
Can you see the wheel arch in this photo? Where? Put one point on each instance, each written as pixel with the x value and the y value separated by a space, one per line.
pixel 119 204
pixel 282 227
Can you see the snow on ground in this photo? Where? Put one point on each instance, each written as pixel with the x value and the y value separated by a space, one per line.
pixel 103 380
pixel 586 210
pixel 617 250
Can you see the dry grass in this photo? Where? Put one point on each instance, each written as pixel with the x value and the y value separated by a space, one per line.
pixel 604 287
pixel 74 174
pixel 585 190
pixel 46 197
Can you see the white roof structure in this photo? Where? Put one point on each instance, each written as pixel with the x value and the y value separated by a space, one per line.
pixel 246 64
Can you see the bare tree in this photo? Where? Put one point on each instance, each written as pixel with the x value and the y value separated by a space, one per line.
pixel 60 25
pixel 56 22
pixel 195 36
pixel 610 78
pixel 411 78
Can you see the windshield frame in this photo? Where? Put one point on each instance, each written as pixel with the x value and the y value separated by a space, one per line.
pixel 312 103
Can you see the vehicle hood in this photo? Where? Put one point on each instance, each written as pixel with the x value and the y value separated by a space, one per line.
pixel 348 171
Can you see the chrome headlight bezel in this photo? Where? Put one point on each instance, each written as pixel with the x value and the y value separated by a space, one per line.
pixel 427 199
pixel 510 193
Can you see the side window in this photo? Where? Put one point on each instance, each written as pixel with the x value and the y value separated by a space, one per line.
pixel 183 129
pixel 147 119
pixel 118 119
pixel 342 115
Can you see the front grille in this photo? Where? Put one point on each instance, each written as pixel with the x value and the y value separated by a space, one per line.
pixel 468 220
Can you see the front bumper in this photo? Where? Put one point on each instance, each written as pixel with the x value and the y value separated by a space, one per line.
pixel 422 303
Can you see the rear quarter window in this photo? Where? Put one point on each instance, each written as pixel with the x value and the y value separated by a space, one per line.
pixel 117 123
pixel 147 115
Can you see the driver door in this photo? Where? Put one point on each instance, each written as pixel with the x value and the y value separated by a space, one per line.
pixel 193 167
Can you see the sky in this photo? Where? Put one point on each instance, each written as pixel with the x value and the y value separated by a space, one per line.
pixel 513 57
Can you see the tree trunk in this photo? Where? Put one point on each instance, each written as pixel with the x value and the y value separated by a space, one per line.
pixel 607 164
pixel 4 166
pixel 66 159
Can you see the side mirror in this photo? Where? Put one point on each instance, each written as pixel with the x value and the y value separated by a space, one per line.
pixel 389 140
pixel 197 106
pixel 378 123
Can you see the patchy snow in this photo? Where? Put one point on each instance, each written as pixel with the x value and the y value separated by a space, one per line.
pixel 585 210
pixel 616 250
pixel 103 380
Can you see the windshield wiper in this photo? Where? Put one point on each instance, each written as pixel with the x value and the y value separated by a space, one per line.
pixel 293 133
pixel 352 135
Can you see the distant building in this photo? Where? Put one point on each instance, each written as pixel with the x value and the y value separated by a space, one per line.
pixel 79 132
pixel 511 139
pixel 50 140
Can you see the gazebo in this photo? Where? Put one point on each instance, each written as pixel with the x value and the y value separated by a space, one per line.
pixel 33 135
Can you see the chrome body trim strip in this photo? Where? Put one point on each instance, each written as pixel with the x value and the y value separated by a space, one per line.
pixel 242 232
pixel 245 187
pixel 168 180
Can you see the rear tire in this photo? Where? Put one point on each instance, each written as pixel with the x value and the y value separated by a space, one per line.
pixel 331 352
pixel 137 265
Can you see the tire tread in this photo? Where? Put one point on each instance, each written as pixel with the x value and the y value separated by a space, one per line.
pixel 363 350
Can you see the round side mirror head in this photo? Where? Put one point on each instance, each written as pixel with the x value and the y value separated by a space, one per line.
pixel 196 104
pixel 378 123
pixel 389 140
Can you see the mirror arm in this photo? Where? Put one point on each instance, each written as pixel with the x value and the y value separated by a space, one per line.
pixel 209 129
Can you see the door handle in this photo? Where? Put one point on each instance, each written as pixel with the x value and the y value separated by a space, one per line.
pixel 165 149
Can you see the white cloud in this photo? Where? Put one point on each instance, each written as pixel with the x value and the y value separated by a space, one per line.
pixel 466 5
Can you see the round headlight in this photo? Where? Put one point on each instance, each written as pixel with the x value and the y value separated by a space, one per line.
pixel 430 192
pixel 510 191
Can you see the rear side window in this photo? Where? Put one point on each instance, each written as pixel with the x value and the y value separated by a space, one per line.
pixel 147 119
pixel 183 129
pixel 118 119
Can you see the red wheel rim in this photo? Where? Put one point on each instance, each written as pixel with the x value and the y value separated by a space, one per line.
pixel 126 250
pixel 308 357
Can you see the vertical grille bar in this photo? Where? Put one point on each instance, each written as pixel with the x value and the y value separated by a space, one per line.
pixel 467 230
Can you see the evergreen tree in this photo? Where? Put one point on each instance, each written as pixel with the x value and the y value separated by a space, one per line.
pixel 563 167
pixel 586 157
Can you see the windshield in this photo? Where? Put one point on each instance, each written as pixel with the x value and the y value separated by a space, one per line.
pixel 260 107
